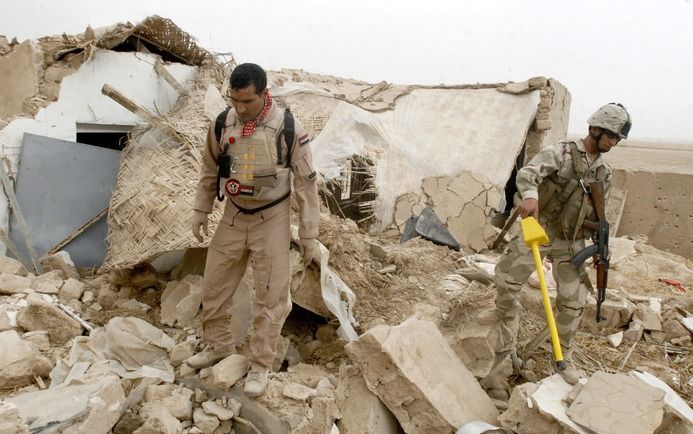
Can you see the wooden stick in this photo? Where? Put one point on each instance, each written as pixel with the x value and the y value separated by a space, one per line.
pixel 623 363
pixel 506 227
pixel 9 191
pixel 12 247
pixel 130 105
pixel 77 232
pixel 163 72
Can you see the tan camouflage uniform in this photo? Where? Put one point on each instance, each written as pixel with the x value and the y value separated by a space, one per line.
pixel 552 166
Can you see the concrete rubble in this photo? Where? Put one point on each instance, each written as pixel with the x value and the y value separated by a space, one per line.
pixel 383 337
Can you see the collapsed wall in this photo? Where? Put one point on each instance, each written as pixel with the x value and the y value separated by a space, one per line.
pixel 657 180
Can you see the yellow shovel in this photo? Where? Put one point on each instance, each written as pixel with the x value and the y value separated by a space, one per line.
pixel 534 235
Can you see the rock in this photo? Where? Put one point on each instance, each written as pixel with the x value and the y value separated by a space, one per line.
pixel 635 331
pixel 10 420
pixel 537 82
pixel 49 283
pixel 674 329
pixel 176 399
pixel 515 88
pixel 88 297
pixel 362 411
pixel 205 422
pixel 157 420
pixel 92 408
pixel 549 399
pixel 299 392
pixel 132 305
pixel 413 370
pixel 181 301
pixel 128 423
pixel 20 361
pixel 650 320
pixel 476 347
pixel 106 297
pixel 60 261
pixel 617 309
pixel 636 408
pixel 615 339
pixel 12 266
pixel 39 338
pixel 72 289
pixel 378 251
pixel 226 373
pixel 326 333
pixel 5 322
pixel 388 269
pixel 222 413
pixel 14 284
pixel 181 352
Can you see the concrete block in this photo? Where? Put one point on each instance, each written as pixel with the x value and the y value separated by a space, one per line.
pixel 72 289
pixel 635 331
pixel 523 417
pixel 617 403
pixel 12 266
pixel 14 284
pixel 181 301
pixel 362 411
pixel 476 348
pixel 413 370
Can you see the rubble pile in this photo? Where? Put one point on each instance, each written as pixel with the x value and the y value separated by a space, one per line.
pixel 126 374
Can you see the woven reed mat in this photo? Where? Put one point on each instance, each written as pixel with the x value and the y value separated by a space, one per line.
pixel 152 204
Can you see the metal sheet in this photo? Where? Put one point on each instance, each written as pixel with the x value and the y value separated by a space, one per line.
pixel 60 186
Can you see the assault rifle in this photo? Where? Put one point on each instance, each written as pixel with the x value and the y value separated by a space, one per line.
pixel 599 251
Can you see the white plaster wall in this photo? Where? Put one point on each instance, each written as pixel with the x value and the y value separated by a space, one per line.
pixel 81 101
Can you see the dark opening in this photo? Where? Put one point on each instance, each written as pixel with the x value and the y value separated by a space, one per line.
pixel 114 140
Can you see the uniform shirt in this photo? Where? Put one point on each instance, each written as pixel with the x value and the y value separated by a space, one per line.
pixel 304 180
pixel 556 162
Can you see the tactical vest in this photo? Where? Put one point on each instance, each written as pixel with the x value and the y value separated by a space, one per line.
pixel 257 176
pixel 564 201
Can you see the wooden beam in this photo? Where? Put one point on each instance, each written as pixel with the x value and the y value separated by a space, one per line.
pixel 9 191
pixel 163 72
pixel 77 232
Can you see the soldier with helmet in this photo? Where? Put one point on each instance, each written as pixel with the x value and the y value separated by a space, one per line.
pixel 551 187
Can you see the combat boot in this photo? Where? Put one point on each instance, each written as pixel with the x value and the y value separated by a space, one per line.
pixel 256 381
pixel 570 374
pixel 208 357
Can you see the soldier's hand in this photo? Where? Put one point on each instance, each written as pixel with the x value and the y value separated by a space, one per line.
pixel 309 249
pixel 529 207
pixel 199 220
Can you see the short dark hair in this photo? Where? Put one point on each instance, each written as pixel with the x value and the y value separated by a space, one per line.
pixel 246 74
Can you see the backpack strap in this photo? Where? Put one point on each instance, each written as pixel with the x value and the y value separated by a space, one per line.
pixel 288 133
pixel 220 122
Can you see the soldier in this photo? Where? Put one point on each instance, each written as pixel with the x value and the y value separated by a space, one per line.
pixel 551 188
pixel 261 146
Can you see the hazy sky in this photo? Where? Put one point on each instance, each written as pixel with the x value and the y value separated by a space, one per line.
pixel 637 52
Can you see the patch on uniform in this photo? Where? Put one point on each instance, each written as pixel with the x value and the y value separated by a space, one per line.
pixel 232 187
pixel 303 139
pixel 247 190
pixel 312 175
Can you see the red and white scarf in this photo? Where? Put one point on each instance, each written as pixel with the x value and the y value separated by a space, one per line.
pixel 249 127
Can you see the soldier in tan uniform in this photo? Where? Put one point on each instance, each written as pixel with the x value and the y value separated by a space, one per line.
pixel 551 188
pixel 252 140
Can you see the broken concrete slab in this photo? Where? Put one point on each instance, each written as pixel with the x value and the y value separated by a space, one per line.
pixel 41 315
pixel 550 399
pixel 672 401
pixel 635 331
pixel 92 408
pixel 523 416
pixel 362 411
pixel 181 301
pixel 175 398
pixel 651 321
pixel 618 403
pixel 402 365
pixel 14 284
pixel 299 392
pixel 220 411
pixel 617 309
pixel 20 361
pixel 10 420
pixel 615 339
pixel 12 266
pixel 206 423
pixel 49 283
pixel 39 338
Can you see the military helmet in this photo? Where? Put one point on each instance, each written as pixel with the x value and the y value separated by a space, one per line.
pixel 613 117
